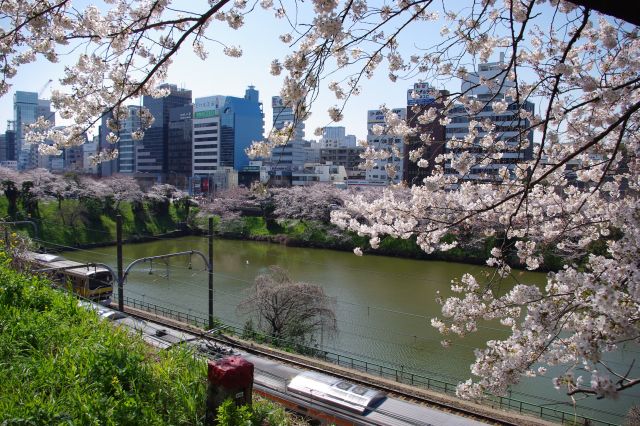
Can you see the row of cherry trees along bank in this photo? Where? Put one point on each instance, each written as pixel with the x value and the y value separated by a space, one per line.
pixel 301 216
pixel 293 216
pixel 578 66
pixel 72 209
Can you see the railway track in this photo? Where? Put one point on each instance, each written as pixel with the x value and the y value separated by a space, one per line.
pixel 399 391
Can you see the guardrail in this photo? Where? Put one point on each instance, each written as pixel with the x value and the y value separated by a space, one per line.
pixel 166 312
pixel 400 376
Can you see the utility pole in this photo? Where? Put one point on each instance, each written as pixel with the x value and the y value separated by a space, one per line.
pixel 119 256
pixel 210 273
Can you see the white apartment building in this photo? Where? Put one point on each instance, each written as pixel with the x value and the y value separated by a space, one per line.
pixel 318 173
pixel 206 136
pixel 378 174
pixel 508 130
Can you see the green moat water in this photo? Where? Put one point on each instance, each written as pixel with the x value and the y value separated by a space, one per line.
pixel 384 304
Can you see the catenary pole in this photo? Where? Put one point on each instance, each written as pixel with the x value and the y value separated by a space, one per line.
pixel 210 272
pixel 119 255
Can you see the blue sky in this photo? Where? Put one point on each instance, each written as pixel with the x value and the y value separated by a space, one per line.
pixel 221 75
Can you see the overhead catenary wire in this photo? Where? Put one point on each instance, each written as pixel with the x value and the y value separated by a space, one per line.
pixel 338 300
pixel 424 317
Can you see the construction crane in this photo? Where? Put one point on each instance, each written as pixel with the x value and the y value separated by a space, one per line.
pixel 46 85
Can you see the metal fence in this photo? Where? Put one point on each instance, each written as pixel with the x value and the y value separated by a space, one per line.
pixel 400 376
pixel 166 312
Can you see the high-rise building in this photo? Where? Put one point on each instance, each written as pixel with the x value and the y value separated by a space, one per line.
pixel 390 143
pixel 26 110
pixel 152 153
pixel 8 142
pixel 336 137
pixel 126 145
pixel 180 146
pixel 509 129
pixel 90 149
pixel 241 123
pixel 295 153
pixel 206 137
pixel 420 99
pixel 3 147
pixel 74 158
pixel 283 114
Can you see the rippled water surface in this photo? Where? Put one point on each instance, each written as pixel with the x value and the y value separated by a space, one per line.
pixel 384 304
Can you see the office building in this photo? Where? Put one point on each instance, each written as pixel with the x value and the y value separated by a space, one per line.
pixel 206 137
pixel 393 144
pixel 180 146
pixel 26 110
pixel 8 142
pixel 282 115
pixel 152 152
pixel 295 153
pixel 127 147
pixel 509 129
pixel 336 137
pixel 89 150
pixel 429 137
pixel 241 123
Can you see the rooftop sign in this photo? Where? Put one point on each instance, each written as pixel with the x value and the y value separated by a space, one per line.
pixel 206 114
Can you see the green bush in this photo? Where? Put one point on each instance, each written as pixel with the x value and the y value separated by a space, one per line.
pixel 61 364
pixel 261 413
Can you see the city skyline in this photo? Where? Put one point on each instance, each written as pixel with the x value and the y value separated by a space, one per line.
pixel 231 76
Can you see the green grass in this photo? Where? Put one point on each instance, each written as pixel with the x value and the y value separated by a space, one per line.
pixel 76 222
pixel 255 226
pixel 60 364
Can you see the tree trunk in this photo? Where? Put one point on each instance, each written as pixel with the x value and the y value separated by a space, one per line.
pixel 626 11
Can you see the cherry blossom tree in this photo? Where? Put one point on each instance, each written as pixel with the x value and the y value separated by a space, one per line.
pixel 159 196
pixel 313 202
pixel 579 67
pixel 232 203
pixel 10 181
pixel 582 71
pixel 123 188
pixel 295 312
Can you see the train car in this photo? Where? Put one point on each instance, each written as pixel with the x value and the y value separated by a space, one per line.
pixel 322 398
pixel 90 282
pixel 336 391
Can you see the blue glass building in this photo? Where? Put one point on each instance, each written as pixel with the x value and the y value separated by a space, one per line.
pixel 152 154
pixel 241 123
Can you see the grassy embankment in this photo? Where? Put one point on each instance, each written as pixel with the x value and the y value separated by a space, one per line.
pixel 324 235
pixel 60 364
pixel 76 223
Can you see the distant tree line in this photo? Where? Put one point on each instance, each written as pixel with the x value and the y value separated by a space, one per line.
pixel 24 190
